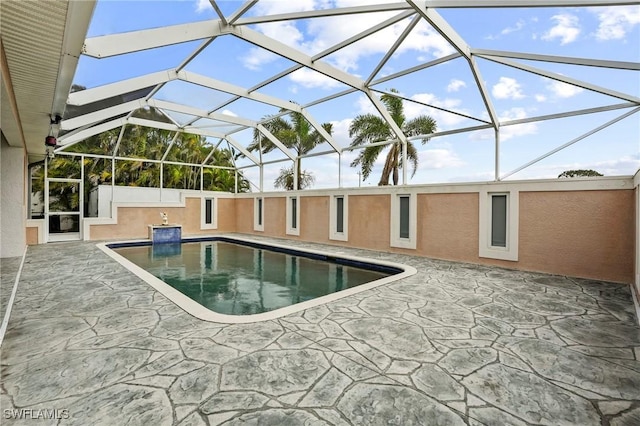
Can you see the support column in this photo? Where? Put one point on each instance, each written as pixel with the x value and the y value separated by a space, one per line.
pixel 497 155
pixel 404 162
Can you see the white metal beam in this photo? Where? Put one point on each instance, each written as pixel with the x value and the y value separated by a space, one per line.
pixel 322 131
pixel 634 66
pixel 323 13
pixel 295 55
pixel 441 26
pixel 525 3
pixel 102 114
pixel 458 43
pixel 135 41
pixel 184 109
pixel 564 79
pixel 242 149
pixel 106 91
pixel 68 139
pixel 413 69
pixel 153 124
pixel 393 48
pixel 241 11
pixel 276 142
pixel 218 11
pixel 567 114
pixel 571 142
pixel 222 86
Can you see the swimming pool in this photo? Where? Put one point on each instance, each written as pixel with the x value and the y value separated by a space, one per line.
pixel 239 280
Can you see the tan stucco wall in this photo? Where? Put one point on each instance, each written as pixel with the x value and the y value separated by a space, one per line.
pixel 133 221
pixel 578 233
pixel 274 216
pixel 314 219
pixel 227 212
pixel 32 235
pixel 448 226
pixel 369 217
pixel 244 215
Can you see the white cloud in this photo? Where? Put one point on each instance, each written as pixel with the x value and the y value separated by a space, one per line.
pixel 508 30
pixel 439 159
pixel 508 132
pixel 317 35
pixel 517 27
pixel 616 22
pixel 563 90
pixel 202 5
pixel 540 97
pixel 310 79
pixel 455 85
pixel 507 88
pixel 340 133
pixel 567 28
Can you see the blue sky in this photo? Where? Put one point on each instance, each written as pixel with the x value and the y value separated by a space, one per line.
pixel 609 33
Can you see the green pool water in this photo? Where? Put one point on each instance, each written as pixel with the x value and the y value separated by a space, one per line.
pixel 235 279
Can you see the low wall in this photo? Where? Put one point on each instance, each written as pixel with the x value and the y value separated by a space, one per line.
pixel 582 227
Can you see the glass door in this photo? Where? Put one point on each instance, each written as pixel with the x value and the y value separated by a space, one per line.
pixel 63 209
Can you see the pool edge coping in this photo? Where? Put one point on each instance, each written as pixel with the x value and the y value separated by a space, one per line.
pixel 197 310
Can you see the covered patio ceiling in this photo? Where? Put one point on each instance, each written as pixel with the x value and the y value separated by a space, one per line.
pixel 228 112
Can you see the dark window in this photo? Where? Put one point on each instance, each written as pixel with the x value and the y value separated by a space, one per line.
pixel 499 220
pixel 339 214
pixel 208 211
pixel 294 213
pixel 259 211
pixel 404 216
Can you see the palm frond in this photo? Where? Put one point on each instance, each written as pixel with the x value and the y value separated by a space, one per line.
pixel 421 125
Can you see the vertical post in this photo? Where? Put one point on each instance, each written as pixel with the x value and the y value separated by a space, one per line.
pixel 497 155
pixel 261 177
pixel 235 183
pixel 161 178
pixel 404 162
pixel 113 180
pixel 339 170
pixel 201 178
pixel 295 174
pixel 81 196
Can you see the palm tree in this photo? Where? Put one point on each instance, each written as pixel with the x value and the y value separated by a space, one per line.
pixel 299 136
pixel 369 128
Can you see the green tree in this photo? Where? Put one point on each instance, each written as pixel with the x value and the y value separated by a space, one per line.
pixel 369 128
pixel 579 173
pixel 299 136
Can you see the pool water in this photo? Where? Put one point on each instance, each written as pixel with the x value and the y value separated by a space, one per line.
pixel 236 279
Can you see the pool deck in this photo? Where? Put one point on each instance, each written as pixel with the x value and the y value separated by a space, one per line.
pixel 454 344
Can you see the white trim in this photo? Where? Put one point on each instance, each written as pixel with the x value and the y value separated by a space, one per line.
pixel 199 311
pixel 541 185
pixel 636 304
pixel 258 210
pixel 214 215
pixel 289 215
pixel 333 219
pixel 485 249
pixel 395 239
pixel 12 298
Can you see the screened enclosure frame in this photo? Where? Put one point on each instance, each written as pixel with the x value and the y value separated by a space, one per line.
pixel 108 107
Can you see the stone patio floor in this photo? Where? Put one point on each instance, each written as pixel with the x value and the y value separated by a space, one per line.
pixel 455 344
